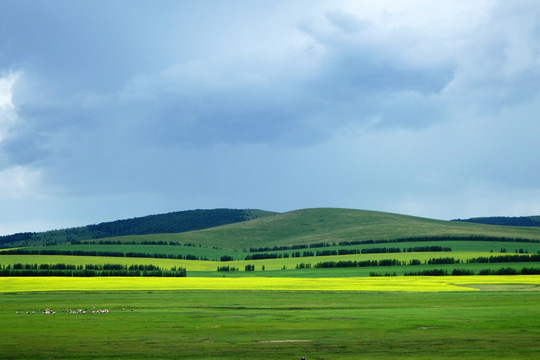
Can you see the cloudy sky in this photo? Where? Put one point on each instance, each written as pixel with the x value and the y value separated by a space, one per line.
pixel 116 109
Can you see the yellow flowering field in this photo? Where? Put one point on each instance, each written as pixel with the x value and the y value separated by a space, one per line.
pixel 377 284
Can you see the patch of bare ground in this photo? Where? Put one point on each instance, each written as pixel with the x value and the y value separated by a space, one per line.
pixel 281 341
pixel 503 287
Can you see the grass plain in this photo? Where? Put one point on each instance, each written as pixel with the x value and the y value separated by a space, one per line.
pixel 282 267
pixel 282 312
pixel 273 325
pixel 240 254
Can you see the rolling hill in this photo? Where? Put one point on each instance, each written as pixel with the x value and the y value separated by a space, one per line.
pixel 173 222
pixel 332 225
pixel 315 242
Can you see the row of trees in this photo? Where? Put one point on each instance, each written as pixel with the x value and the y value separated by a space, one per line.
pixel 250 267
pixel 350 263
pixel 379 250
pixel 133 242
pixel 89 270
pixel 92 273
pixel 461 272
pixel 440 238
pixel 431 261
pixel 227 268
pixel 399 240
pixel 99 253
pixel 506 258
pixel 505 220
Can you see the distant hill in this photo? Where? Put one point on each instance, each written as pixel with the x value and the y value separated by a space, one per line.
pixel 229 229
pixel 173 222
pixel 329 225
pixel 505 220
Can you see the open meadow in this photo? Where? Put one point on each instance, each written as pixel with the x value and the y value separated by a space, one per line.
pixel 254 324
pixel 318 283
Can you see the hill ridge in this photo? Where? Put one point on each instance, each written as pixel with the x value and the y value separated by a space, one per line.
pixel 326 225
pixel 230 228
pixel 505 220
pixel 171 222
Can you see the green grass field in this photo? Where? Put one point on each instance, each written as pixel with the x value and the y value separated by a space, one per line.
pixel 302 227
pixel 275 267
pixel 240 254
pixel 282 312
pixel 272 325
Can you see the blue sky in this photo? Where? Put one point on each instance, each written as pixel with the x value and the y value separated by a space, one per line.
pixel 116 109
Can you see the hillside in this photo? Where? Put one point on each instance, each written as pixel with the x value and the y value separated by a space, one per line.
pixel 329 225
pixel 322 242
pixel 505 220
pixel 173 222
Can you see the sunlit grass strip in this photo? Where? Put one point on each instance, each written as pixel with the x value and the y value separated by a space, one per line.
pixel 201 265
pixel 392 284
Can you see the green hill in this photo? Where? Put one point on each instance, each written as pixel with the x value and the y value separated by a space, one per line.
pixel 173 222
pixel 330 225
pixel 311 242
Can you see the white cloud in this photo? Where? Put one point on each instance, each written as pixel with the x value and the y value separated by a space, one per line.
pixel 20 182
pixel 8 113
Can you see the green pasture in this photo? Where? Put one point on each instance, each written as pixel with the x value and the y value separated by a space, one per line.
pixel 282 312
pixel 216 254
pixel 194 265
pixel 361 271
pixel 272 325
pixel 475 246
pixel 202 265
pixel 459 248
pixel 209 253
pixel 280 267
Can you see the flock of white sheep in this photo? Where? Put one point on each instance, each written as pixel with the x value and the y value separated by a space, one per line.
pixel 90 310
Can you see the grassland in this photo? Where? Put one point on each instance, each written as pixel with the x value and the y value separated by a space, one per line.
pixel 273 325
pixel 283 312
pixel 240 254
pixel 303 228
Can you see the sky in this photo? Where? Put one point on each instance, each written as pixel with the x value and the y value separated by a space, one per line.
pixel 116 109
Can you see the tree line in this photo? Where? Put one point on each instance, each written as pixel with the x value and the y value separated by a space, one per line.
pixel 379 250
pixel 354 263
pixel 99 253
pixel 431 261
pixel 230 268
pixel 462 272
pixel 440 238
pixel 398 240
pixel 506 258
pixel 505 220
pixel 90 270
pixel 133 242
